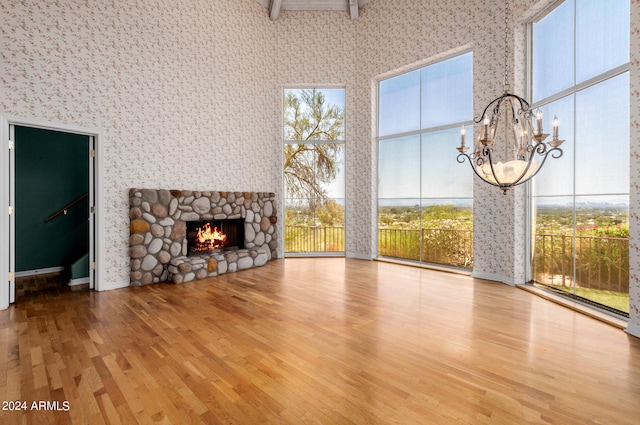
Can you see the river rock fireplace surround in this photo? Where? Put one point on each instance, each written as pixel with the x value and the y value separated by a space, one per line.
pixel 158 245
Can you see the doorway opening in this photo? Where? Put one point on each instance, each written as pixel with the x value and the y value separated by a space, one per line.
pixel 53 196
pixel 52 209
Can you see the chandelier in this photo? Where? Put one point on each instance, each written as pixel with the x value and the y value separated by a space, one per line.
pixel 524 150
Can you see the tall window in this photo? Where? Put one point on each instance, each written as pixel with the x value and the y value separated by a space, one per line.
pixel 580 73
pixel 424 198
pixel 314 151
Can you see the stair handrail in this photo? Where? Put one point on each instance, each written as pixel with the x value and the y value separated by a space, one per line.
pixel 64 209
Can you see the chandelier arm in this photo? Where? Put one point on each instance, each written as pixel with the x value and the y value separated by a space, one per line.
pixel 541 149
pixel 556 154
pixel 484 113
pixel 487 152
pixel 514 113
pixel 461 160
pixel 520 180
pixel 524 105
pixel 524 111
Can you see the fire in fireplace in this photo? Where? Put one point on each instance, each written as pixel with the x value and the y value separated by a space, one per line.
pixel 206 236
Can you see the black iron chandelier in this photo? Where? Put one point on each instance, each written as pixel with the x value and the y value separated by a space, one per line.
pixel 524 150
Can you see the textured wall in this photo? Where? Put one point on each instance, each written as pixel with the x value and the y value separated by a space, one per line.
pixel 177 86
pixel 634 217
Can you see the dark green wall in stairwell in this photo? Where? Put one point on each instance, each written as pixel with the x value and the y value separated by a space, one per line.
pixel 52 170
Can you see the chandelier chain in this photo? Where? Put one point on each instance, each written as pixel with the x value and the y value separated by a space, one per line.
pixel 506 46
pixel 525 150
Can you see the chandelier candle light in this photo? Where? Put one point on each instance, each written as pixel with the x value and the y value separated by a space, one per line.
pixel 526 145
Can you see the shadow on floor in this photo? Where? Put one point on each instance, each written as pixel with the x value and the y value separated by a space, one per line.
pixel 46 283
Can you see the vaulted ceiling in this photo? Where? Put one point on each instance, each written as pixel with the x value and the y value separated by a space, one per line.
pixel 276 6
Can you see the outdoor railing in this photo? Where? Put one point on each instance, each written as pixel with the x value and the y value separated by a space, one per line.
pixel 399 243
pixel 601 263
pixel 439 246
pixel 314 238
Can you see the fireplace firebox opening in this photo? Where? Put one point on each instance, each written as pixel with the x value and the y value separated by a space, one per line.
pixel 212 235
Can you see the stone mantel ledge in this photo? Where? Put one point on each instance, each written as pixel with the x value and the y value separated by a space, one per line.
pixel 158 229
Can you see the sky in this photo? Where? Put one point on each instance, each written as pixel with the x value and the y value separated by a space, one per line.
pixel 594 121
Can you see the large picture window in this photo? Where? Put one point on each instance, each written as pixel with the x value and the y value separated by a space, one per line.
pixel 314 176
pixel 580 73
pixel 424 200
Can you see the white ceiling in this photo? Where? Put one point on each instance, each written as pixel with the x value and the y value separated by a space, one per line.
pixel 276 6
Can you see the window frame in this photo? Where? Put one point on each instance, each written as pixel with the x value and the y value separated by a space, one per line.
pixel 468 124
pixel 572 91
pixel 342 142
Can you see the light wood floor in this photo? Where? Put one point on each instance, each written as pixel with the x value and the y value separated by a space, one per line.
pixel 315 341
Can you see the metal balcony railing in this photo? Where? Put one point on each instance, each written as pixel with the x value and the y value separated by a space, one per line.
pixel 451 247
pixel 601 263
pixel 314 239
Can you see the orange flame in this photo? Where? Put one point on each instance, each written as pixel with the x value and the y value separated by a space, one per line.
pixel 209 238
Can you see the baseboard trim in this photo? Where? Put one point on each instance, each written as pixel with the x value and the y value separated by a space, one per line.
pixel 358 256
pixel 39 271
pixel 79 281
pixel 587 310
pixel 427 266
pixel 314 255
pixel 497 278
pixel 633 329
pixel 114 285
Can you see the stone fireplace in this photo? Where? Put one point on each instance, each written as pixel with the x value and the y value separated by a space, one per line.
pixel 163 221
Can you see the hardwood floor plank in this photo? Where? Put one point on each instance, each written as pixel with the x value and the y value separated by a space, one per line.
pixel 122 380
pixel 110 414
pixel 315 341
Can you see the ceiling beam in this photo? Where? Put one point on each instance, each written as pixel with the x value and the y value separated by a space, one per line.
pixel 274 10
pixel 353 9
